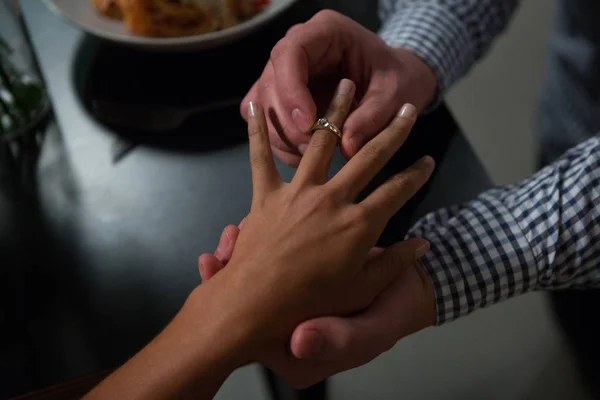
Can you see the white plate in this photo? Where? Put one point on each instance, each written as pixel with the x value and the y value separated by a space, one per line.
pixel 82 12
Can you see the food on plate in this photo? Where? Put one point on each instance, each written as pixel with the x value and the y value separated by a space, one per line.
pixel 108 8
pixel 175 18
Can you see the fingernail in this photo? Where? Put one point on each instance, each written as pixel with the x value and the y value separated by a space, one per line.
pixel 302 148
pixel 223 244
pixel 427 162
pixel 421 251
pixel 316 343
pixel 408 111
pixel 252 109
pixel 345 87
pixel 301 120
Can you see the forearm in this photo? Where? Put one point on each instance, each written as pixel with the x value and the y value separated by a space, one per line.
pixel 449 35
pixel 540 234
pixel 191 358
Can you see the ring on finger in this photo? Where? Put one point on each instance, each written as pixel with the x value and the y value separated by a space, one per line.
pixel 324 123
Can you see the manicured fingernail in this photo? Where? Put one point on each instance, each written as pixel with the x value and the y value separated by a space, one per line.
pixel 302 148
pixel 316 343
pixel 301 120
pixel 408 111
pixel 252 109
pixel 421 251
pixel 345 87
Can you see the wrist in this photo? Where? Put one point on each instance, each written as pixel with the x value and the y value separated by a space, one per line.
pixel 422 82
pixel 221 333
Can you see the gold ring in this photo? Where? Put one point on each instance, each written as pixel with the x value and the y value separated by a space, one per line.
pixel 324 123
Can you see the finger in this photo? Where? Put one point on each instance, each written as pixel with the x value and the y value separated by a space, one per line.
pixel 383 270
pixel 363 167
pixel 387 199
pixel 373 113
pixel 241 224
pixel 244 106
pixel 264 91
pixel 374 252
pixel 305 51
pixel 315 164
pixel 226 244
pixel 209 266
pixel 282 132
pixel 264 174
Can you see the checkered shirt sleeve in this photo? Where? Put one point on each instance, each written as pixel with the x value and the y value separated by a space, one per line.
pixel 449 35
pixel 542 234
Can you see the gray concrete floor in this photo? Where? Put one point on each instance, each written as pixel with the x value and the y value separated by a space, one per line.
pixel 510 351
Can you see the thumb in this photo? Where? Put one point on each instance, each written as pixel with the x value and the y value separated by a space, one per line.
pixel 384 269
pixel 355 340
pixel 349 340
pixel 374 112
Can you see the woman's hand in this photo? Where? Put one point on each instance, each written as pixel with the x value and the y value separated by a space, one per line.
pixel 325 346
pixel 303 254
pixel 303 250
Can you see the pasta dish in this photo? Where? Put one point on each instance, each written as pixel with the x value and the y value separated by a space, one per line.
pixel 175 18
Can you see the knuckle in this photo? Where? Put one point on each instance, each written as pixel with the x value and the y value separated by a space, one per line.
pixel 327 15
pixel 339 105
pixel 254 130
pixel 402 182
pixel 359 218
pixel 294 30
pixel 258 160
pixel 320 199
pixel 334 107
pixel 264 85
pixel 373 117
pixel 279 49
pixel 361 214
pixel 286 91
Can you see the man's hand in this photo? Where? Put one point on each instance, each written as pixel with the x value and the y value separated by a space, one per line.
pixel 297 83
pixel 326 346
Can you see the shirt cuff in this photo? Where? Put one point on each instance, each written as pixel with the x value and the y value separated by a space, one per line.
pixel 479 256
pixel 435 34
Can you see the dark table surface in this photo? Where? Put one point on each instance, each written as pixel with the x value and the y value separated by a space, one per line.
pixel 97 255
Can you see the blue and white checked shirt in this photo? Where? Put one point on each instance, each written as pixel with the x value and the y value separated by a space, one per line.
pixel 541 234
